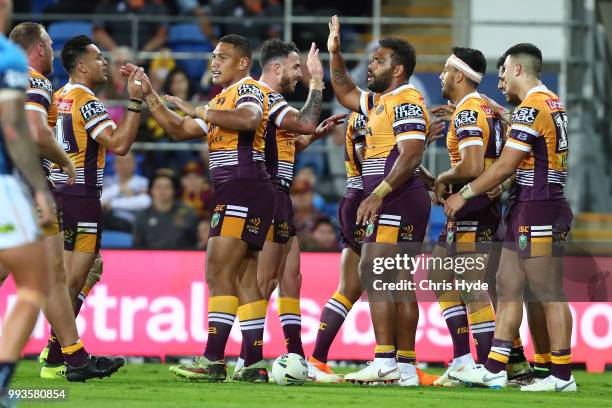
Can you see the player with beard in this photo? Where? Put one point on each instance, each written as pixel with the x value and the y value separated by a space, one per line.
pixel 538 223
pixel 395 140
pixel 281 71
pixel 64 343
pixel 474 141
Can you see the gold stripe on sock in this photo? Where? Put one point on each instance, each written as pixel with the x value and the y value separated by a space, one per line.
pixel 223 304
pixel 73 348
pixel 449 299
pixel 499 357
pixel 567 359
pixel 253 310
pixel 406 353
pixel 288 305
pixel 541 358
pixel 486 314
pixel 342 299
pixel 384 349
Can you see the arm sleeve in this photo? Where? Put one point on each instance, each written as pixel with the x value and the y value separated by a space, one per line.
pixel 95 116
pixel 523 134
pixel 409 120
pixel 250 94
pixel 468 128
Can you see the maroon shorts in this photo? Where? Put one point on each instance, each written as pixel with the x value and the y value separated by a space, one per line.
pixel 243 209
pixel 538 228
pixel 474 229
pixel 282 227
pixel 351 234
pixel 402 218
pixel 81 221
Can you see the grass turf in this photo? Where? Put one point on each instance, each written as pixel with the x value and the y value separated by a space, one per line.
pixel 151 385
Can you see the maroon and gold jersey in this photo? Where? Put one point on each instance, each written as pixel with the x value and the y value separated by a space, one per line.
pixel 539 127
pixel 473 124
pixel 81 117
pixel 354 141
pixel 396 116
pixel 280 143
pixel 39 98
pixel 238 154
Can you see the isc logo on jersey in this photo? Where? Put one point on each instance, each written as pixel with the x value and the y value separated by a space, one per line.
pixel 408 110
pixel 92 109
pixel 248 89
pixel 466 118
pixel 524 116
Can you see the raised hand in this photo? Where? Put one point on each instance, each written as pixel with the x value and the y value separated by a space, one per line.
pixel 436 131
pixel 314 63
pixel 135 83
pixel 443 112
pixel 333 41
pixel 186 107
pixel 329 124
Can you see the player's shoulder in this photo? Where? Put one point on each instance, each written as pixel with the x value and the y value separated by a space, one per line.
pixel 39 81
pixel 13 65
pixel 356 120
pixel 470 111
pixel 250 86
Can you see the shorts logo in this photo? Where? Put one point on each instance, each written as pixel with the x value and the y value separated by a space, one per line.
pixel 214 221
pixel 380 109
pixel 485 235
pixel 7 228
pixel 369 229
pixel 69 235
pixel 253 225
pixel 406 232
pixel 219 208
pixel 522 241
pixel 359 234
pixel 450 237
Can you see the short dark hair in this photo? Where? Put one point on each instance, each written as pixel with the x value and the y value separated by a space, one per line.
pixel 73 50
pixel 403 53
pixel 500 61
pixel 27 34
pixel 165 173
pixel 473 58
pixel 529 50
pixel 240 43
pixel 275 48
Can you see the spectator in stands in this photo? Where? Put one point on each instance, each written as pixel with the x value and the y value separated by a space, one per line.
pixel 115 88
pixel 304 212
pixel 110 34
pixel 125 194
pixel 70 7
pixel 322 237
pixel 195 189
pixel 245 11
pixel 168 223
pixel 203 231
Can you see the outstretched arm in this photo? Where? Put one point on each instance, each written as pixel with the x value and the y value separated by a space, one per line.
pixel 303 141
pixel 347 93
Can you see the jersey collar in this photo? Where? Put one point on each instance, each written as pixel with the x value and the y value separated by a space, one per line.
pixel 238 83
pixel 468 96
pixel 400 89
pixel 81 86
pixel 265 84
pixel 539 88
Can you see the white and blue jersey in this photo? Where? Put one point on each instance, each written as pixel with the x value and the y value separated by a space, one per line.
pixel 17 221
pixel 13 77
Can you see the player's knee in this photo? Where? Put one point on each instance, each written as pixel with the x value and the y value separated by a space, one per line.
pixel 350 289
pixel 33 296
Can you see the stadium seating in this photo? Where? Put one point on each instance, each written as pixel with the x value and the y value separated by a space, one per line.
pixel 117 239
pixel 189 38
pixel 61 32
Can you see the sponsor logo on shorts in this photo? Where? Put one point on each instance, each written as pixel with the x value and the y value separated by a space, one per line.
pixel 69 235
pixel 253 225
pixel 450 237
pixel 406 232
pixel 359 233
pixel 214 221
pixel 369 229
pixel 522 241
pixel 7 228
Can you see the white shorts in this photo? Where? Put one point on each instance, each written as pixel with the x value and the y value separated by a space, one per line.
pixel 17 218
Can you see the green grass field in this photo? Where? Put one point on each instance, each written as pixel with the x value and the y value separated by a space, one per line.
pixel 151 385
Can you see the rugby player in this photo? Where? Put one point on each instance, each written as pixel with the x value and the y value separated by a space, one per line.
pixel 64 343
pixel 21 249
pixel 281 71
pixel 395 139
pixel 538 223
pixel 243 201
pixel 85 131
pixel 474 141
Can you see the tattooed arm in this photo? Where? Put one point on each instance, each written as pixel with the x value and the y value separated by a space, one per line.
pixel 23 150
pixel 347 93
